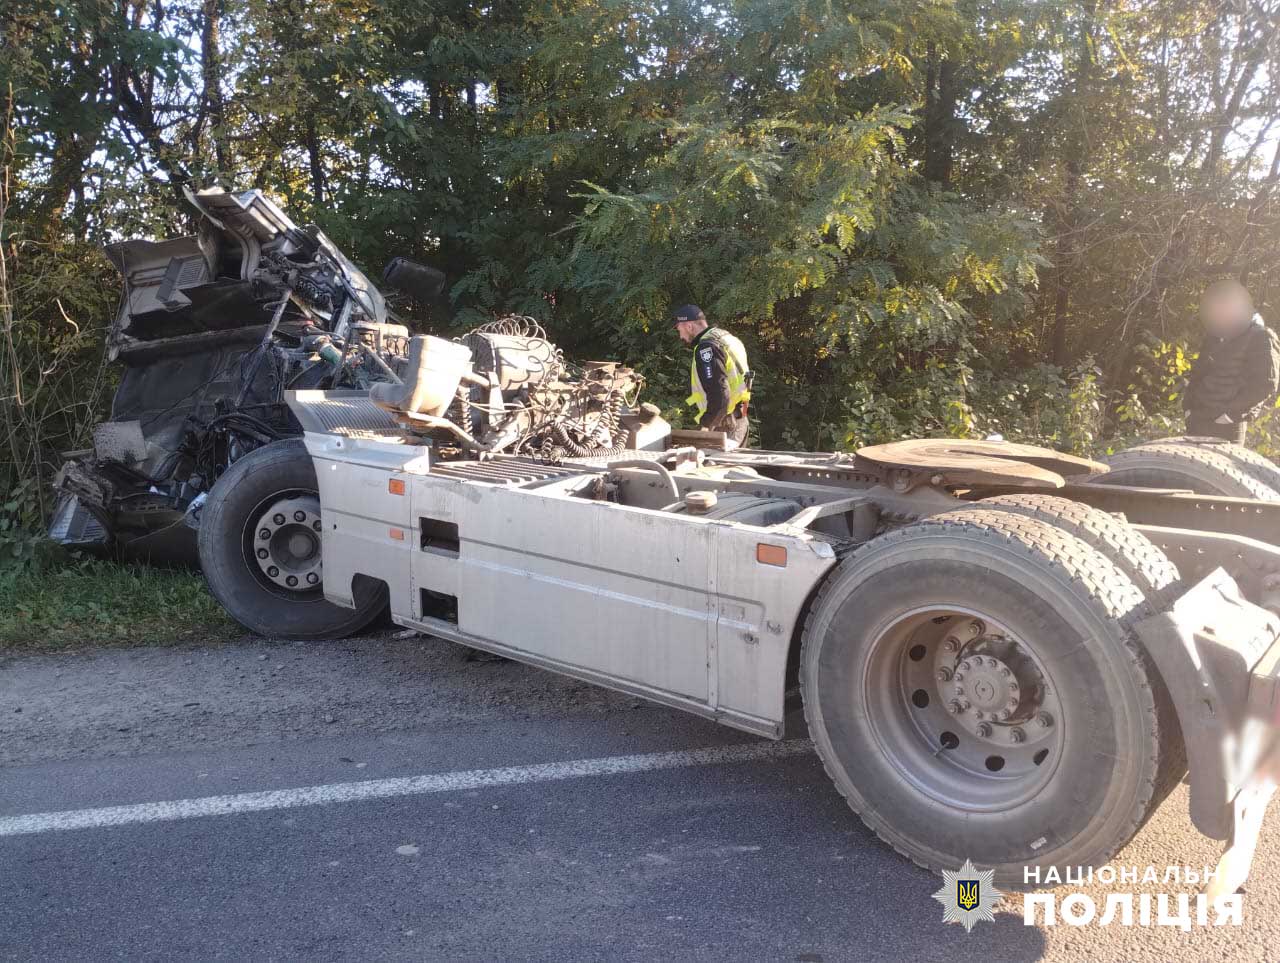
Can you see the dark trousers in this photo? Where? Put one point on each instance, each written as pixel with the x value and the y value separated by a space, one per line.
pixel 1206 425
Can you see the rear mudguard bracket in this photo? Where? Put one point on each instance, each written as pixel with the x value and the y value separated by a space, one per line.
pixel 1207 647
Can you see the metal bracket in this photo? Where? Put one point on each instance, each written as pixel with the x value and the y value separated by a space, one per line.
pixel 1205 648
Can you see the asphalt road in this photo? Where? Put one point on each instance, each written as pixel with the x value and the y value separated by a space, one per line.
pixel 713 857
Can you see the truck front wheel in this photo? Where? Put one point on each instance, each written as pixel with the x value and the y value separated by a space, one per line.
pixel 973 688
pixel 260 549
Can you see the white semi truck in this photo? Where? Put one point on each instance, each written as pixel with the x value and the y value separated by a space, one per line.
pixel 1005 653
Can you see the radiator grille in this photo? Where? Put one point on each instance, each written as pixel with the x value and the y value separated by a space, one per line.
pixel 349 413
pixel 503 471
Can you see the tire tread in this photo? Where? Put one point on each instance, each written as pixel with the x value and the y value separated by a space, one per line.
pixel 1228 479
pixel 1256 466
pixel 1098 583
pixel 1147 566
pixel 1136 555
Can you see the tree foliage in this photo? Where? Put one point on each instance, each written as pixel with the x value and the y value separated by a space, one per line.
pixel 923 217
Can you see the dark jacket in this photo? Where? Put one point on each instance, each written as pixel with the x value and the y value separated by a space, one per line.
pixel 709 358
pixel 1234 376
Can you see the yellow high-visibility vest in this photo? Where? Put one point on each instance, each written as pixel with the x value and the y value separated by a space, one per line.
pixel 735 367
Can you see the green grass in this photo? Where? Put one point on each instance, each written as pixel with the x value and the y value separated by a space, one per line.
pixel 88 602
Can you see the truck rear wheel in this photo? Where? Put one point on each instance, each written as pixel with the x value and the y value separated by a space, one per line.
pixel 1133 553
pixel 1146 565
pixel 260 549
pixel 973 688
pixel 1256 466
pixel 1183 466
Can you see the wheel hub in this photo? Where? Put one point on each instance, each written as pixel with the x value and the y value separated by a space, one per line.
pixel 964 708
pixel 988 685
pixel 286 543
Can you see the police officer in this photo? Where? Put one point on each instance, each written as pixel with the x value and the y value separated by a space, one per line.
pixel 1238 370
pixel 720 379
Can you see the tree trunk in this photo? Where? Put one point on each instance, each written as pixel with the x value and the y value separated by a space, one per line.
pixel 66 169
pixel 940 98
pixel 211 69
pixel 1068 219
pixel 1065 260
pixel 317 162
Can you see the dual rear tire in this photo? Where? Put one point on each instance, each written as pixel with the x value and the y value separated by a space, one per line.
pixel 1206 466
pixel 974 688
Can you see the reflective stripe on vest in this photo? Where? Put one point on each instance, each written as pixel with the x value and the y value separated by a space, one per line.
pixel 735 368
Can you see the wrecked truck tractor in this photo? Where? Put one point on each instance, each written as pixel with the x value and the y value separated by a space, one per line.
pixel 213 329
pixel 999 659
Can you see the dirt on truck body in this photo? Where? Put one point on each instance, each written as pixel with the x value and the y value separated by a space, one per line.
pixel 212 330
pixel 1006 654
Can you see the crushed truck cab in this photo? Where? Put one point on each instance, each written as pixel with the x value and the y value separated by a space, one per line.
pixel 1005 653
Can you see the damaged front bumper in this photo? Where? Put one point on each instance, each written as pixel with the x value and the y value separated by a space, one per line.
pixel 213 328
pixel 1219 657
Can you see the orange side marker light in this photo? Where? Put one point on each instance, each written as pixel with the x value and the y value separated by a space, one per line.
pixel 771 554
pixel 396 486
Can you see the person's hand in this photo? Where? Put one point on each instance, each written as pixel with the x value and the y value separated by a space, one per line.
pixel 1223 419
pixel 730 444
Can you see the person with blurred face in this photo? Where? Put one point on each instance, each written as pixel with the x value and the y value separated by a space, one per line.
pixel 1238 371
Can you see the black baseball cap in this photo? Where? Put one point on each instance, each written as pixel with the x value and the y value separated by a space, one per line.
pixel 688 312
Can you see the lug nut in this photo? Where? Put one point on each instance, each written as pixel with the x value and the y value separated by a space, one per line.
pixel 959 677
pixel 1006 674
pixel 1003 714
pixel 299 516
pixel 959 689
pixel 278 518
pixel 263 553
pixel 979 714
pixel 954 707
pixel 312 578
pixel 1013 687
pixel 273 571
pixel 966 705
pixel 264 533
pixel 1017 735
pixel 291 581
pixel 1045 720
pixel 316 524
pixel 984 730
pixel 966 665
pixel 944 674
pixel 975 629
pixel 950 645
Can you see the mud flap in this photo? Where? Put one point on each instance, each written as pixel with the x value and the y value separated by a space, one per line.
pixel 1248 808
pixel 1219 656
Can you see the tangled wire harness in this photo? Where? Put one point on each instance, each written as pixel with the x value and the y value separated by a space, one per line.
pixel 512 326
pixel 549 409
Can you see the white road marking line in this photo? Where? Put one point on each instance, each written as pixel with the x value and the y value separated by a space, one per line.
pixel 249 802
